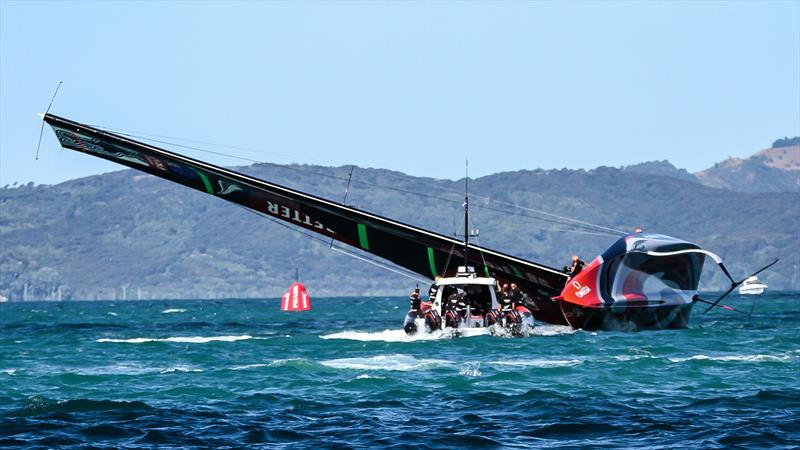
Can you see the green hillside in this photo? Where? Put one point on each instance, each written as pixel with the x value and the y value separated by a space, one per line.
pixel 132 235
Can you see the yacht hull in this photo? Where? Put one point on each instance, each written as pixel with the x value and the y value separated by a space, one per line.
pixel 662 317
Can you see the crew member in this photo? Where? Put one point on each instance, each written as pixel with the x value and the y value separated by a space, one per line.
pixel 577 266
pixel 457 301
pixel 433 289
pixel 516 295
pixel 415 300
pixel 506 302
pixel 452 301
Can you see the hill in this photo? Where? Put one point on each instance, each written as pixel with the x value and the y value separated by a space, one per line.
pixel 776 169
pixel 125 234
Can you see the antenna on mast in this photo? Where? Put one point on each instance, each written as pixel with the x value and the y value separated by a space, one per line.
pixel 466 213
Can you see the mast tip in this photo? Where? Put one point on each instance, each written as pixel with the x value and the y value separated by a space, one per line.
pixel 41 115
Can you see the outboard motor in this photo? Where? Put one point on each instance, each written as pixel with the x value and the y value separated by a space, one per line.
pixel 410 325
pixel 518 321
pixel 433 321
pixel 452 319
pixel 492 317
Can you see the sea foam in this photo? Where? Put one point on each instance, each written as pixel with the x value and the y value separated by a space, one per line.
pixel 179 339
pixel 740 358
pixel 393 362
pixel 540 363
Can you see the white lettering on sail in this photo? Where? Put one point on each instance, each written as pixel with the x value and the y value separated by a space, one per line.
pixel 295 215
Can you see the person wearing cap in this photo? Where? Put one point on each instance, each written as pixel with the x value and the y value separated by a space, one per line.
pixel 577 266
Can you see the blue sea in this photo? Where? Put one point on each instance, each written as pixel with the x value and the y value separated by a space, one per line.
pixel 240 373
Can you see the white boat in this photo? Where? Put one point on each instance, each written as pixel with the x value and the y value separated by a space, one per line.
pixel 752 286
pixel 467 304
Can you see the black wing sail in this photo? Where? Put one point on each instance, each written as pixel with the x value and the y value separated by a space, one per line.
pixel 421 251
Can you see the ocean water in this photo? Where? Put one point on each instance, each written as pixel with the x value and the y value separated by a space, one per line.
pixel 239 373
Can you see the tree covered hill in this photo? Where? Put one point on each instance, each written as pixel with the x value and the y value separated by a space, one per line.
pixel 126 234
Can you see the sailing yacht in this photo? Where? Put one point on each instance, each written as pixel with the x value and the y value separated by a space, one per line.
pixel 643 281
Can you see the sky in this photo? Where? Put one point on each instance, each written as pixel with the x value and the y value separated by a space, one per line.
pixel 416 87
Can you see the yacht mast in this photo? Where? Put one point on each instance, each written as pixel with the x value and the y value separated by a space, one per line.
pixel 466 214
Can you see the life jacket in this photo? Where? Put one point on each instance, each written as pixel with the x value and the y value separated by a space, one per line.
pixel 506 302
pixel 414 301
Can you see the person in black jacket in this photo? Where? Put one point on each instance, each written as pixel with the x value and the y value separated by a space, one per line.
pixel 434 289
pixel 506 302
pixel 415 302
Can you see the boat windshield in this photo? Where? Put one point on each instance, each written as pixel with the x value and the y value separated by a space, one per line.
pixel 478 296
pixel 638 276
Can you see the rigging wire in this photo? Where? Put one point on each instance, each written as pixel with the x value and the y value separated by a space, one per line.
pixel 582 227
pixel 142 134
pixel 41 130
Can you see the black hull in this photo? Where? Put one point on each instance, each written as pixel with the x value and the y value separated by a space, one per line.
pixel 546 310
pixel 627 319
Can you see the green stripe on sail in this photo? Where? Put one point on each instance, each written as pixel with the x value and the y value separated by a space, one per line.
pixel 486 271
pixel 516 272
pixel 206 183
pixel 432 262
pixel 362 236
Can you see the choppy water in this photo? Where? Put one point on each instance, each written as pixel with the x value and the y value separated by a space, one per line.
pixel 242 374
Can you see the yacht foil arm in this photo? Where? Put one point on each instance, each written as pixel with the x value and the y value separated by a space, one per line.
pixel 717 259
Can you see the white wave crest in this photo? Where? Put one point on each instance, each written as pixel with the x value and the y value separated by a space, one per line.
pixel 249 366
pixel 387 336
pixel 401 336
pixel 633 357
pixel 551 330
pixel 179 339
pixel 395 362
pixel 112 313
pixel 365 376
pixel 540 363
pixel 745 358
pixel 283 362
pixel 10 372
pixel 180 369
pixel 173 310
pixel 396 335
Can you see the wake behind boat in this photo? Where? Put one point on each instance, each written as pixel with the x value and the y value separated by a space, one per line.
pixel 642 281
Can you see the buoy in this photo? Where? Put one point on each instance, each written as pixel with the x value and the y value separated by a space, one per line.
pixel 296 298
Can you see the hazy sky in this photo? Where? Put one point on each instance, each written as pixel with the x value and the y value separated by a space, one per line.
pixel 415 87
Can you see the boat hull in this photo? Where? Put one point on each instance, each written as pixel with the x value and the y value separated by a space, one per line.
pixel 752 291
pixel 546 310
pixel 662 317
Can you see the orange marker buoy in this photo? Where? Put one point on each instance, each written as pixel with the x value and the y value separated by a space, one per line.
pixel 296 298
